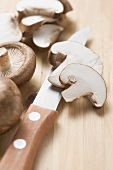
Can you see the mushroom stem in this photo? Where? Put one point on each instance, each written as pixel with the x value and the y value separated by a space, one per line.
pixel 4 59
pixel 54 77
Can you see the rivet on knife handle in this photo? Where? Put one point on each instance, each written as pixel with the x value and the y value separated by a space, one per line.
pixel 22 151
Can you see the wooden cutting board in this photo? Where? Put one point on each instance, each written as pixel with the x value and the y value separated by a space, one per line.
pixel 82 137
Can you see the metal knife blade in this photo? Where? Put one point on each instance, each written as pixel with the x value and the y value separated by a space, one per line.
pixel 50 96
pixel 81 36
pixel 38 119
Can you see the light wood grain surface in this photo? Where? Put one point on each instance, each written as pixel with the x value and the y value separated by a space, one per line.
pixel 82 137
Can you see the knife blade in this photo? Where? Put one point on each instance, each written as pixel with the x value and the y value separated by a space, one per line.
pixel 54 93
pixel 37 121
pixel 81 38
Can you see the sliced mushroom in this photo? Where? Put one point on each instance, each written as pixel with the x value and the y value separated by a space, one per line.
pixel 48 8
pixel 10 104
pixel 17 62
pixel 32 23
pixel 71 52
pixel 83 81
pixel 9 28
pixel 62 21
pixel 46 35
pixel 67 6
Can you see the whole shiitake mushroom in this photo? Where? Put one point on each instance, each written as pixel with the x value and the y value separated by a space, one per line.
pixel 10 104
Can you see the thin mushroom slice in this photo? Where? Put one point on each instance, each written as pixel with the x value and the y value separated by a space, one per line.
pixel 17 62
pixel 31 23
pixel 48 8
pixel 67 6
pixel 83 81
pixel 46 35
pixel 9 28
pixel 69 52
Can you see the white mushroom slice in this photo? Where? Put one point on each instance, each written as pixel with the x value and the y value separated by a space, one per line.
pixel 40 7
pixel 83 81
pixel 46 35
pixel 67 6
pixel 31 20
pixel 9 28
pixel 31 23
pixel 71 52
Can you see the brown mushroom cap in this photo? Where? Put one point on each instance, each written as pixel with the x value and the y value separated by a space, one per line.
pixel 21 62
pixel 10 104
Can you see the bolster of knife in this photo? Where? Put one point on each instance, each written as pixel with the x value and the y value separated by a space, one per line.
pixel 22 151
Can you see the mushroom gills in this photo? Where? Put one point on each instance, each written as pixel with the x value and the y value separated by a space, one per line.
pixel 41 7
pixel 83 81
pixel 15 57
pixel 46 35
pixel 9 28
pixel 71 52
pixel 17 62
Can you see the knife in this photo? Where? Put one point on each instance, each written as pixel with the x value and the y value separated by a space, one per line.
pixel 38 119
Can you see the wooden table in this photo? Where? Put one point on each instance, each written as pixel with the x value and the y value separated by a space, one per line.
pixel 82 137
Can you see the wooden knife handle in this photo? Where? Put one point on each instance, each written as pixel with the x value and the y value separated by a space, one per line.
pixel 22 151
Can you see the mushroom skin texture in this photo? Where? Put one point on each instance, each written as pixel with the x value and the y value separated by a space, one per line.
pixel 22 61
pixel 83 81
pixel 68 52
pixel 48 8
pixel 10 104
pixel 9 28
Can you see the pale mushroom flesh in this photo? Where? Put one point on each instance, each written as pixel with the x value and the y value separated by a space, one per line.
pixel 31 20
pixel 46 35
pixel 67 6
pixel 9 28
pixel 32 23
pixel 71 52
pixel 83 81
pixel 41 7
